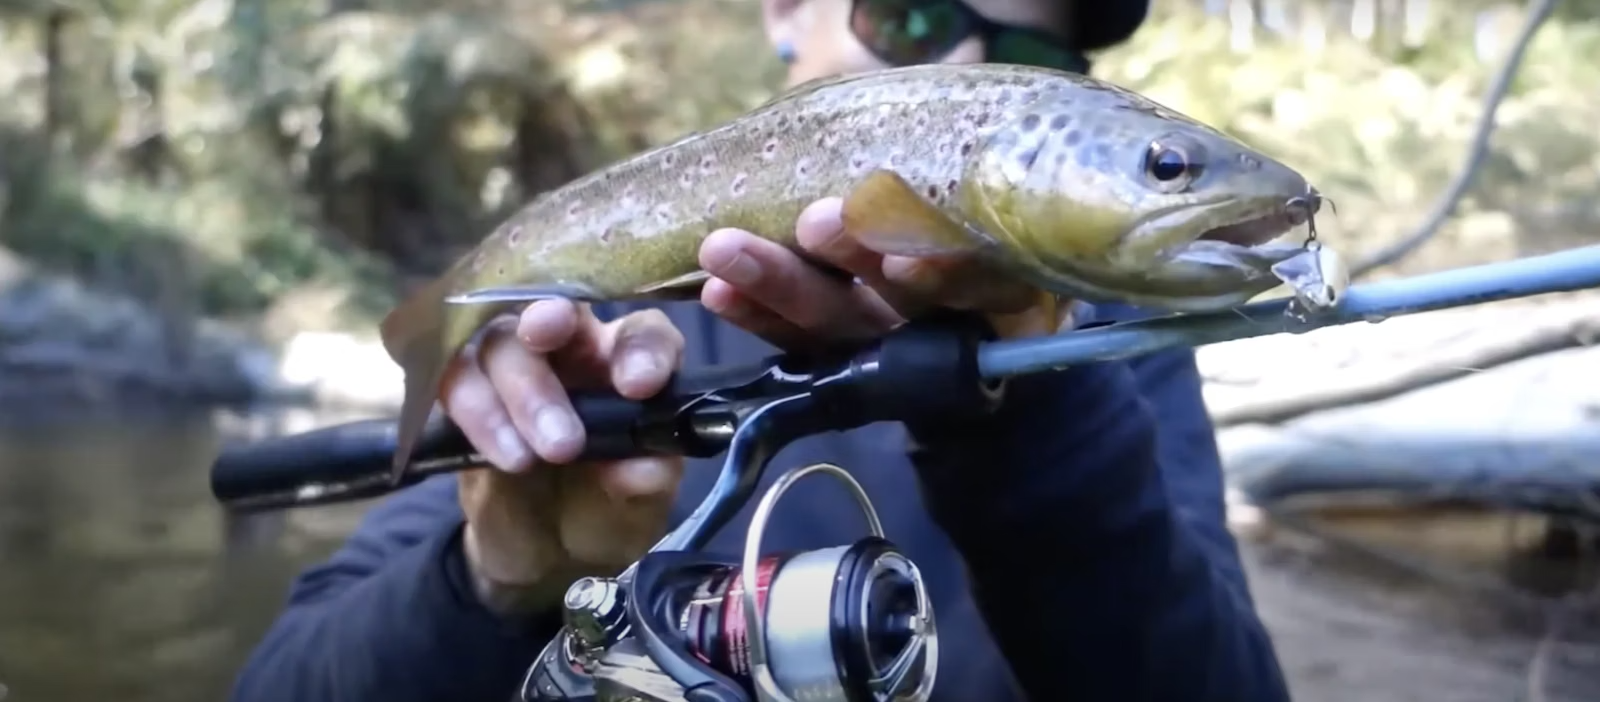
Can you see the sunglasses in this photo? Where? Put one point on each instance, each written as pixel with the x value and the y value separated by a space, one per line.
pixel 909 32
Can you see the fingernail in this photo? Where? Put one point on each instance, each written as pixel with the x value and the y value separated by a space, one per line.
pixel 639 365
pixel 741 270
pixel 558 430
pixel 513 450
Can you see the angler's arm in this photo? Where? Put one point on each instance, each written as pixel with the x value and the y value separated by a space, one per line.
pixel 391 616
pixel 1100 576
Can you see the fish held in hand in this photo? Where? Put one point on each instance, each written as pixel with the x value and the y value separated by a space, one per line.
pixel 1080 188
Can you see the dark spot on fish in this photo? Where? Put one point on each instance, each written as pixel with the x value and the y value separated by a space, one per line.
pixel 607 235
pixel 1059 122
pixel 966 148
pixel 1030 123
pixel 783 121
pixel 771 148
pixel 670 159
pixel 1028 156
pixel 950 187
pixel 513 234
pixel 1074 138
pixel 933 192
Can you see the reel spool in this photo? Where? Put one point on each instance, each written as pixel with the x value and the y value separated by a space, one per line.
pixel 850 623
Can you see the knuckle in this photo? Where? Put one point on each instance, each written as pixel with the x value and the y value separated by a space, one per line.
pixel 650 329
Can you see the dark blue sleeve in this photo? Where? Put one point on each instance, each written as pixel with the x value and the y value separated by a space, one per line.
pixel 1095 541
pixel 391 616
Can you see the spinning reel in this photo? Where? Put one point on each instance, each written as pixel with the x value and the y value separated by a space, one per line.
pixel 849 623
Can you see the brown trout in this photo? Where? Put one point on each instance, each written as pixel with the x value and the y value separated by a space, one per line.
pixel 1079 187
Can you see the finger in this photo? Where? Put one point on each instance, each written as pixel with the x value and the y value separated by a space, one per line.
pixel 820 233
pixel 961 283
pixel 635 479
pixel 534 397
pixel 644 349
pixel 548 325
pixel 776 278
pixel 611 513
pixel 470 400
pixel 725 301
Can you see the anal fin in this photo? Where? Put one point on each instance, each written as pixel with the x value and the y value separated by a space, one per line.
pixel 523 293
pixel 686 286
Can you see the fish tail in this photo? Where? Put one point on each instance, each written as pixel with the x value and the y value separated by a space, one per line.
pixel 414 335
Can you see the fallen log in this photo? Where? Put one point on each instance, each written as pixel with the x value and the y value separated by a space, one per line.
pixel 1526 433
pixel 1272 380
pixel 1556 472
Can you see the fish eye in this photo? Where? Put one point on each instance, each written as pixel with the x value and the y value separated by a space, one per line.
pixel 1172 163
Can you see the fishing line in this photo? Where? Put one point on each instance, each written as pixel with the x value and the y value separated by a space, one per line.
pixel 1477 153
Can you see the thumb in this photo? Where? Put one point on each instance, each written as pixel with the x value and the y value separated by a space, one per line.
pixel 611 513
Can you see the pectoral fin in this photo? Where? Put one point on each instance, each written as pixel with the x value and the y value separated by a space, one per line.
pixel 887 215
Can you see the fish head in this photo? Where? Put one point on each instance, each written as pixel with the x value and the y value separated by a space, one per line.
pixel 1119 195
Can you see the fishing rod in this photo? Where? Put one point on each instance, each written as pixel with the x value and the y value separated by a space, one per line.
pixel 853 620
pixel 699 411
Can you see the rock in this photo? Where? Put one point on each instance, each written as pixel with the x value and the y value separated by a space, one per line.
pixel 58 338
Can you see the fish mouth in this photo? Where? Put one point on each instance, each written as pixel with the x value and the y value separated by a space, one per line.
pixel 1253 231
pixel 1225 231
pixel 1257 233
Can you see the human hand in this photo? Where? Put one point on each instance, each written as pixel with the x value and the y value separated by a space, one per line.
pixel 536 521
pixel 775 293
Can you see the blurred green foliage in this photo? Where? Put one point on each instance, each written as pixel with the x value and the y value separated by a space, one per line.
pixel 229 152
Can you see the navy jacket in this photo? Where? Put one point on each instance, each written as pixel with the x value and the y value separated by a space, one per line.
pixel 1074 544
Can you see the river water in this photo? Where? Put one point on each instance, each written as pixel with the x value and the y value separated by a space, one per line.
pixel 121 580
